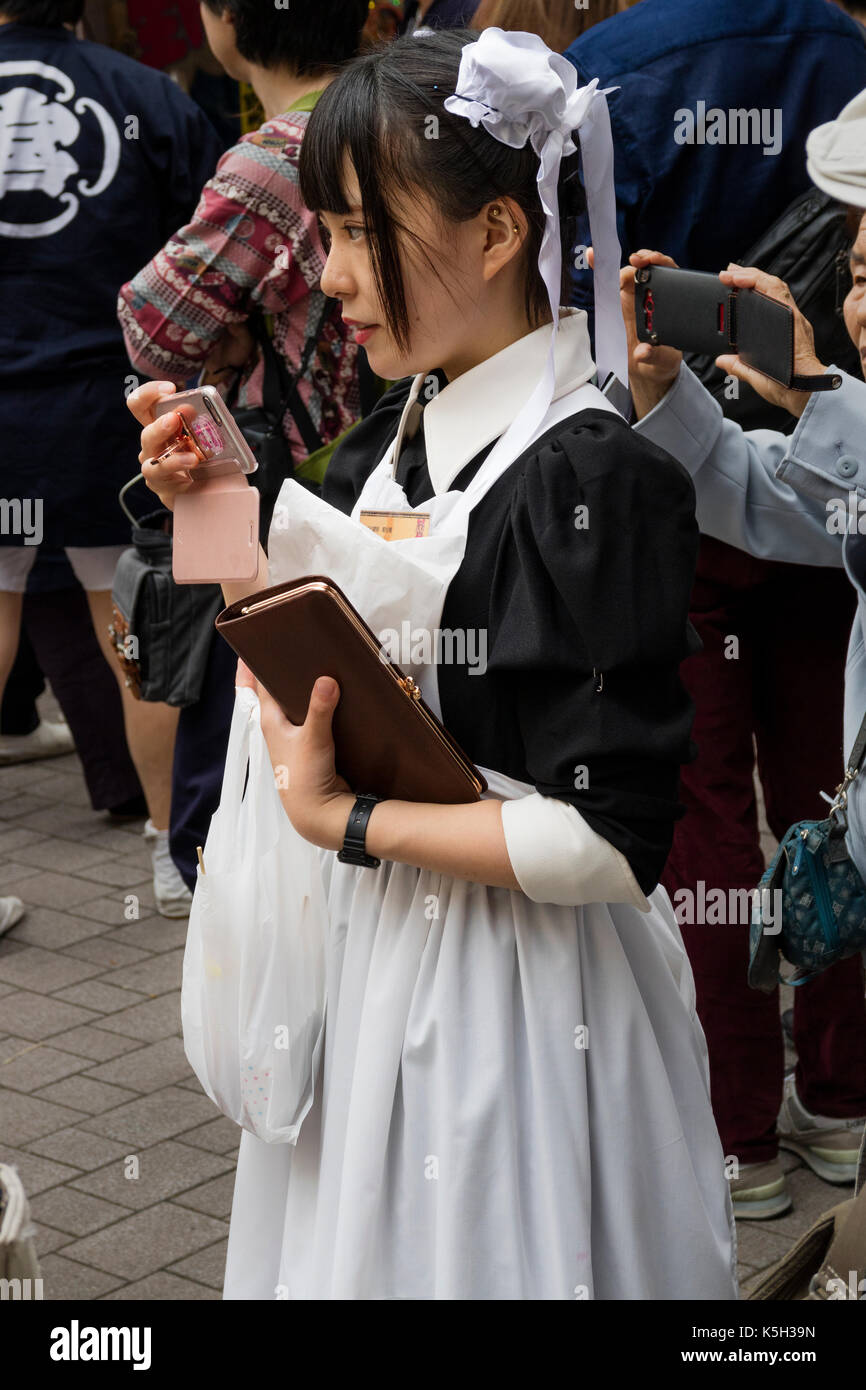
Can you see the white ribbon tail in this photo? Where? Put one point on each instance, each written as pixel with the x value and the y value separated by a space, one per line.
pixel 596 145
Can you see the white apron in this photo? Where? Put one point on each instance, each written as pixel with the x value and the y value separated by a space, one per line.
pixel 513 1101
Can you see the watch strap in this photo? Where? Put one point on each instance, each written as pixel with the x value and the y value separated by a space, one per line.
pixel 824 382
pixel 354 849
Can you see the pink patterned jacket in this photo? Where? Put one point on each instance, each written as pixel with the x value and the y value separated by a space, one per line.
pixel 251 244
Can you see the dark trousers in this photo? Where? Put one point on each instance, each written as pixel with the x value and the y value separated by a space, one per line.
pixel 18 712
pixel 785 690
pixel 199 759
pixel 58 642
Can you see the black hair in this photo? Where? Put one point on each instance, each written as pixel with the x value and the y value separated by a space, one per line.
pixel 380 112
pixel 43 14
pixel 310 36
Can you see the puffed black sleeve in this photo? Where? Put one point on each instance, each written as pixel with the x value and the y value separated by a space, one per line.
pixel 589 624
pixel 356 456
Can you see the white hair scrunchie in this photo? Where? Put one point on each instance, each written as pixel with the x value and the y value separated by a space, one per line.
pixel 519 90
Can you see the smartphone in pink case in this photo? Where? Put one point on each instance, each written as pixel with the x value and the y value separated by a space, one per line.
pixel 216 522
pixel 208 431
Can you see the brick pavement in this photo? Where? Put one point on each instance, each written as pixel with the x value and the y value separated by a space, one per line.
pixel 128 1166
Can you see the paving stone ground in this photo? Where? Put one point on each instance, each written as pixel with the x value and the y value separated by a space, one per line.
pixel 127 1164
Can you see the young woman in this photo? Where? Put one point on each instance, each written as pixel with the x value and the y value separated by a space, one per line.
pixel 512 1101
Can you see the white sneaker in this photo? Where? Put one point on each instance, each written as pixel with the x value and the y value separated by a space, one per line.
pixel 830 1147
pixel 11 911
pixel 760 1191
pixel 46 741
pixel 173 898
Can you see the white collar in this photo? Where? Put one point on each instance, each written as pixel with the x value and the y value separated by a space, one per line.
pixel 477 407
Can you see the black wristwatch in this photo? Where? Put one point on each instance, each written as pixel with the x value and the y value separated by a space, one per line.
pixel 354 849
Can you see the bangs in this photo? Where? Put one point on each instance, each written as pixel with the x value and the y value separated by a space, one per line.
pixel 349 123
pixel 340 125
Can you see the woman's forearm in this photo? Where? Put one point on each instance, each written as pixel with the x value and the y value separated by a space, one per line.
pixel 460 841
pixel 235 589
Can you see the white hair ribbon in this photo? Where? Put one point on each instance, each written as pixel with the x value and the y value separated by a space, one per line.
pixel 518 89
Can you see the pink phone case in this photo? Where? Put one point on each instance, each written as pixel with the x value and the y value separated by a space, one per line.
pixel 216 531
pixel 210 432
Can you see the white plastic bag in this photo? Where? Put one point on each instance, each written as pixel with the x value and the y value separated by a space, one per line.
pixel 253 997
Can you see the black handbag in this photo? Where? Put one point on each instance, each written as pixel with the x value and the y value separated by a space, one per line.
pixel 161 631
pixel 262 425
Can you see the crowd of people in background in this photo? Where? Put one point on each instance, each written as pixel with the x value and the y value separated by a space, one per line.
pixel 169 250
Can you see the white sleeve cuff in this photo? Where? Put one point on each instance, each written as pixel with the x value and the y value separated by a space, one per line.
pixel 686 422
pixel 558 858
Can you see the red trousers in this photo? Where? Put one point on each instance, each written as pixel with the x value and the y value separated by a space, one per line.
pixel 780 684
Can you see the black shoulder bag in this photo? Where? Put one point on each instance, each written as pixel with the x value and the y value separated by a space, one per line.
pixel 160 631
pixel 262 425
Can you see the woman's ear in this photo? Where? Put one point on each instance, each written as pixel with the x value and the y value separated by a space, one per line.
pixel 505 232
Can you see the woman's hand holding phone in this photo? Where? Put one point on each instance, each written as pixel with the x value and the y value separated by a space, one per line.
pixel 806 362
pixel 652 371
pixel 172 475
pixel 168 476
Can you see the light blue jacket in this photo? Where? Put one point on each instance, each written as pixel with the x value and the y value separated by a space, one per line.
pixel 799 498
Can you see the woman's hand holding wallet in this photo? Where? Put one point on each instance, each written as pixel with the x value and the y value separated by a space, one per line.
pixel 316 800
pixel 467 841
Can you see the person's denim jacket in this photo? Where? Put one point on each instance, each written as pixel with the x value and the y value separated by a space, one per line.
pixel 799 498
pixel 796 62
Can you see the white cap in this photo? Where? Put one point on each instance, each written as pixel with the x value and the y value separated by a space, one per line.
pixel 836 154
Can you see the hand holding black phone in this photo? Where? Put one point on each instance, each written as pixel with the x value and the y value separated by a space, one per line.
pixel 696 312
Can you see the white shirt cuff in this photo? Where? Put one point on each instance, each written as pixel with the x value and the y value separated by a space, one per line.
pixel 558 858
pixel 686 422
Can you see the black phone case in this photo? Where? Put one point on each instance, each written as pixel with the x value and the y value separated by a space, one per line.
pixel 765 335
pixel 686 309
pixel 695 312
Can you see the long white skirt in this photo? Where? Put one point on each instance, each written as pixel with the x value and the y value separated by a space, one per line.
pixel 512 1103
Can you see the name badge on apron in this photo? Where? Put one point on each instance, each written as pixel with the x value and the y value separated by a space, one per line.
pixel 397 526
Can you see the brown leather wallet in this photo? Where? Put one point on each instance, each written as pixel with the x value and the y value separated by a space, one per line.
pixel 388 742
